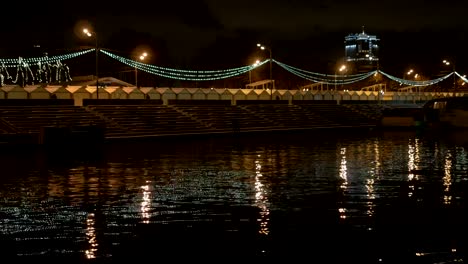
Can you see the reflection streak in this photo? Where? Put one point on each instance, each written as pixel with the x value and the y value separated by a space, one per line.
pixel 371 182
pixel 447 180
pixel 91 237
pixel 145 204
pixel 413 160
pixel 343 172
pixel 261 200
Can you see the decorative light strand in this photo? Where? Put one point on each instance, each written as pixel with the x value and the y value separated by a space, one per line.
pixel 187 75
pixel 334 81
pixel 462 77
pixel 316 73
pixel 12 63
pixel 343 79
pixel 417 83
pixel 165 69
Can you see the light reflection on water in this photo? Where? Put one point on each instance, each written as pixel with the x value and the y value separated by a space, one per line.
pixel 369 198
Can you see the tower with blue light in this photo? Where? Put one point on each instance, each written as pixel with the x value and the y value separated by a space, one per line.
pixel 362 50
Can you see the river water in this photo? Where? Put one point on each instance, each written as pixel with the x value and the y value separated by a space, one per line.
pixel 367 197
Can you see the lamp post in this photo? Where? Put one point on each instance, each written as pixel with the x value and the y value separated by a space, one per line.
pixel 446 62
pixel 90 34
pixel 250 72
pixel 409 72
pixel 271 62
pixel 142 58
pixel 342 69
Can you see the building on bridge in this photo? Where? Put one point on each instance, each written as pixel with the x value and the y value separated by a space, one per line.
pixel 361 52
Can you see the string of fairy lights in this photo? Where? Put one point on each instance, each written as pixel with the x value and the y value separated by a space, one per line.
pixel 185 75
pixel 324 78
pixel 209 75
pixel 327 79
pixel 12 63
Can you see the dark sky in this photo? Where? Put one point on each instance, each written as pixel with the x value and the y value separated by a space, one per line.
pixel 198 33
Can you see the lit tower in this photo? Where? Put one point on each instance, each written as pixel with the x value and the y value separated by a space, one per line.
pixel 361 50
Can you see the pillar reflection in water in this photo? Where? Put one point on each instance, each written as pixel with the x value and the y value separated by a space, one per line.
pixel 413 161
pixel 447 179
pixel 370 183
pixel 261 199
pixel 343 172
pixel 91 237
pixel 145 203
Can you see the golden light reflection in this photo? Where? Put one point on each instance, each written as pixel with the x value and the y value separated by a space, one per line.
pixel 91 237
pixel 261 200
pixel 413 161
pixel 145 203
pixel 343 172
pixel 447 180
pixel 371 182
pixel 370 196
pixel 343 169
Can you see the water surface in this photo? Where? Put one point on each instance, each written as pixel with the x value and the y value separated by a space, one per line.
pixel 373 197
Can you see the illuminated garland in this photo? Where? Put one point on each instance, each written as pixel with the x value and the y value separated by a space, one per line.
pixel 316 73
pixel 330 79
pixel 462 77
pixel 12 63
pixel 416 83
pixel 187 75
pixel 348 79
pixel 44 64
pixel 43 72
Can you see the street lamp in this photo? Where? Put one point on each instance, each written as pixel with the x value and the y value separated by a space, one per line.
pixel 250 72
pixel 142 58
pixel 90 34
pixel 410 72
pixel 271 62
pixel 446 62
pixel 341 69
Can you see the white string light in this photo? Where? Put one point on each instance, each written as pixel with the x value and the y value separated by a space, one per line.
pixel 23 68
pixel 188 75
pixel 12 63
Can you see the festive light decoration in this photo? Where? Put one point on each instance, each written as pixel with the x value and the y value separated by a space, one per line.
pixel 348 79
pixel 44 66
pixel 416 83
pixel 43 72
pixel 187 75
pixel 462 77
pixel 12 63
pixel 333 79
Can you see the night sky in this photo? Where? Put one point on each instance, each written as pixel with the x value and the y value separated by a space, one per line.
pixel 213 33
